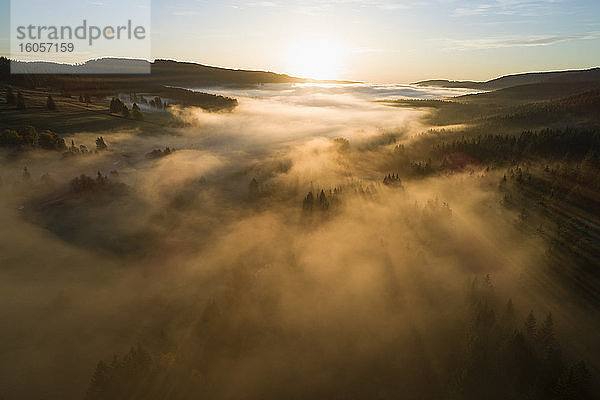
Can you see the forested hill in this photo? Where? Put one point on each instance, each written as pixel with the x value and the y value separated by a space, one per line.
pixel 203 75
pixel 590 75
pixel 163 72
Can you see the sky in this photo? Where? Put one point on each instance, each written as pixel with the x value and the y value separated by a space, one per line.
pixel 380 41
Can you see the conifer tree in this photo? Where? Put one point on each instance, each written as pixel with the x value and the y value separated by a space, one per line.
pixel 50 104
pixel 136 113
pixel 530 325
pixel 11 100
pixel 101 144
pixel 20 101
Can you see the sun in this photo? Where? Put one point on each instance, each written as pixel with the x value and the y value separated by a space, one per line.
pixel 315 58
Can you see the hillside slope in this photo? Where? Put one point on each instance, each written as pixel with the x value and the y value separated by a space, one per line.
pixel 530 78
pixel 162 72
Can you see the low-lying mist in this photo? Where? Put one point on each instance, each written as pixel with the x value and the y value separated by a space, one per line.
pixel 264 256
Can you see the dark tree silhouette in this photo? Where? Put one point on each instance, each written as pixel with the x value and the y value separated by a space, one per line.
pixel 308 202
pixel 574 383
pixel 20 101
pixel 101 144
pixel 530 326
pixel 118 107
pixel 136 113
pixel 323 201
pixel 253 188
pixel 503 362
pixel 51 141
pixel 50 104
pixel 29 135
pixel 392 180
pixel 11 99
pixel 9 138
pixel 140 375
pixel 546 334
pixel 157 102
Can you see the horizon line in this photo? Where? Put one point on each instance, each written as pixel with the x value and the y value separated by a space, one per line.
pixel 242 69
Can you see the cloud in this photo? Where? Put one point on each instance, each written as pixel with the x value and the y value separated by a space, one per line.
pixel 529 8
pixel 264 4
pixel 515 41
pixel 313 7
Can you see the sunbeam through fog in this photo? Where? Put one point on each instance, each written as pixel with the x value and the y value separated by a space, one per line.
pixel 275 247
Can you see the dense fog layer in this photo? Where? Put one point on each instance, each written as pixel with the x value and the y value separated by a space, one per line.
pixel 213 254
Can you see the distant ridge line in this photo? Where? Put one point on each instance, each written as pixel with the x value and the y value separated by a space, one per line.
pixel 518 79
pixel 178 70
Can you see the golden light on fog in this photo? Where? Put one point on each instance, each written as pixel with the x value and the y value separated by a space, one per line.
pixel 316 58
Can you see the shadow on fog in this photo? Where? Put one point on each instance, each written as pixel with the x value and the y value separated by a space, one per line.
pixel 237 284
